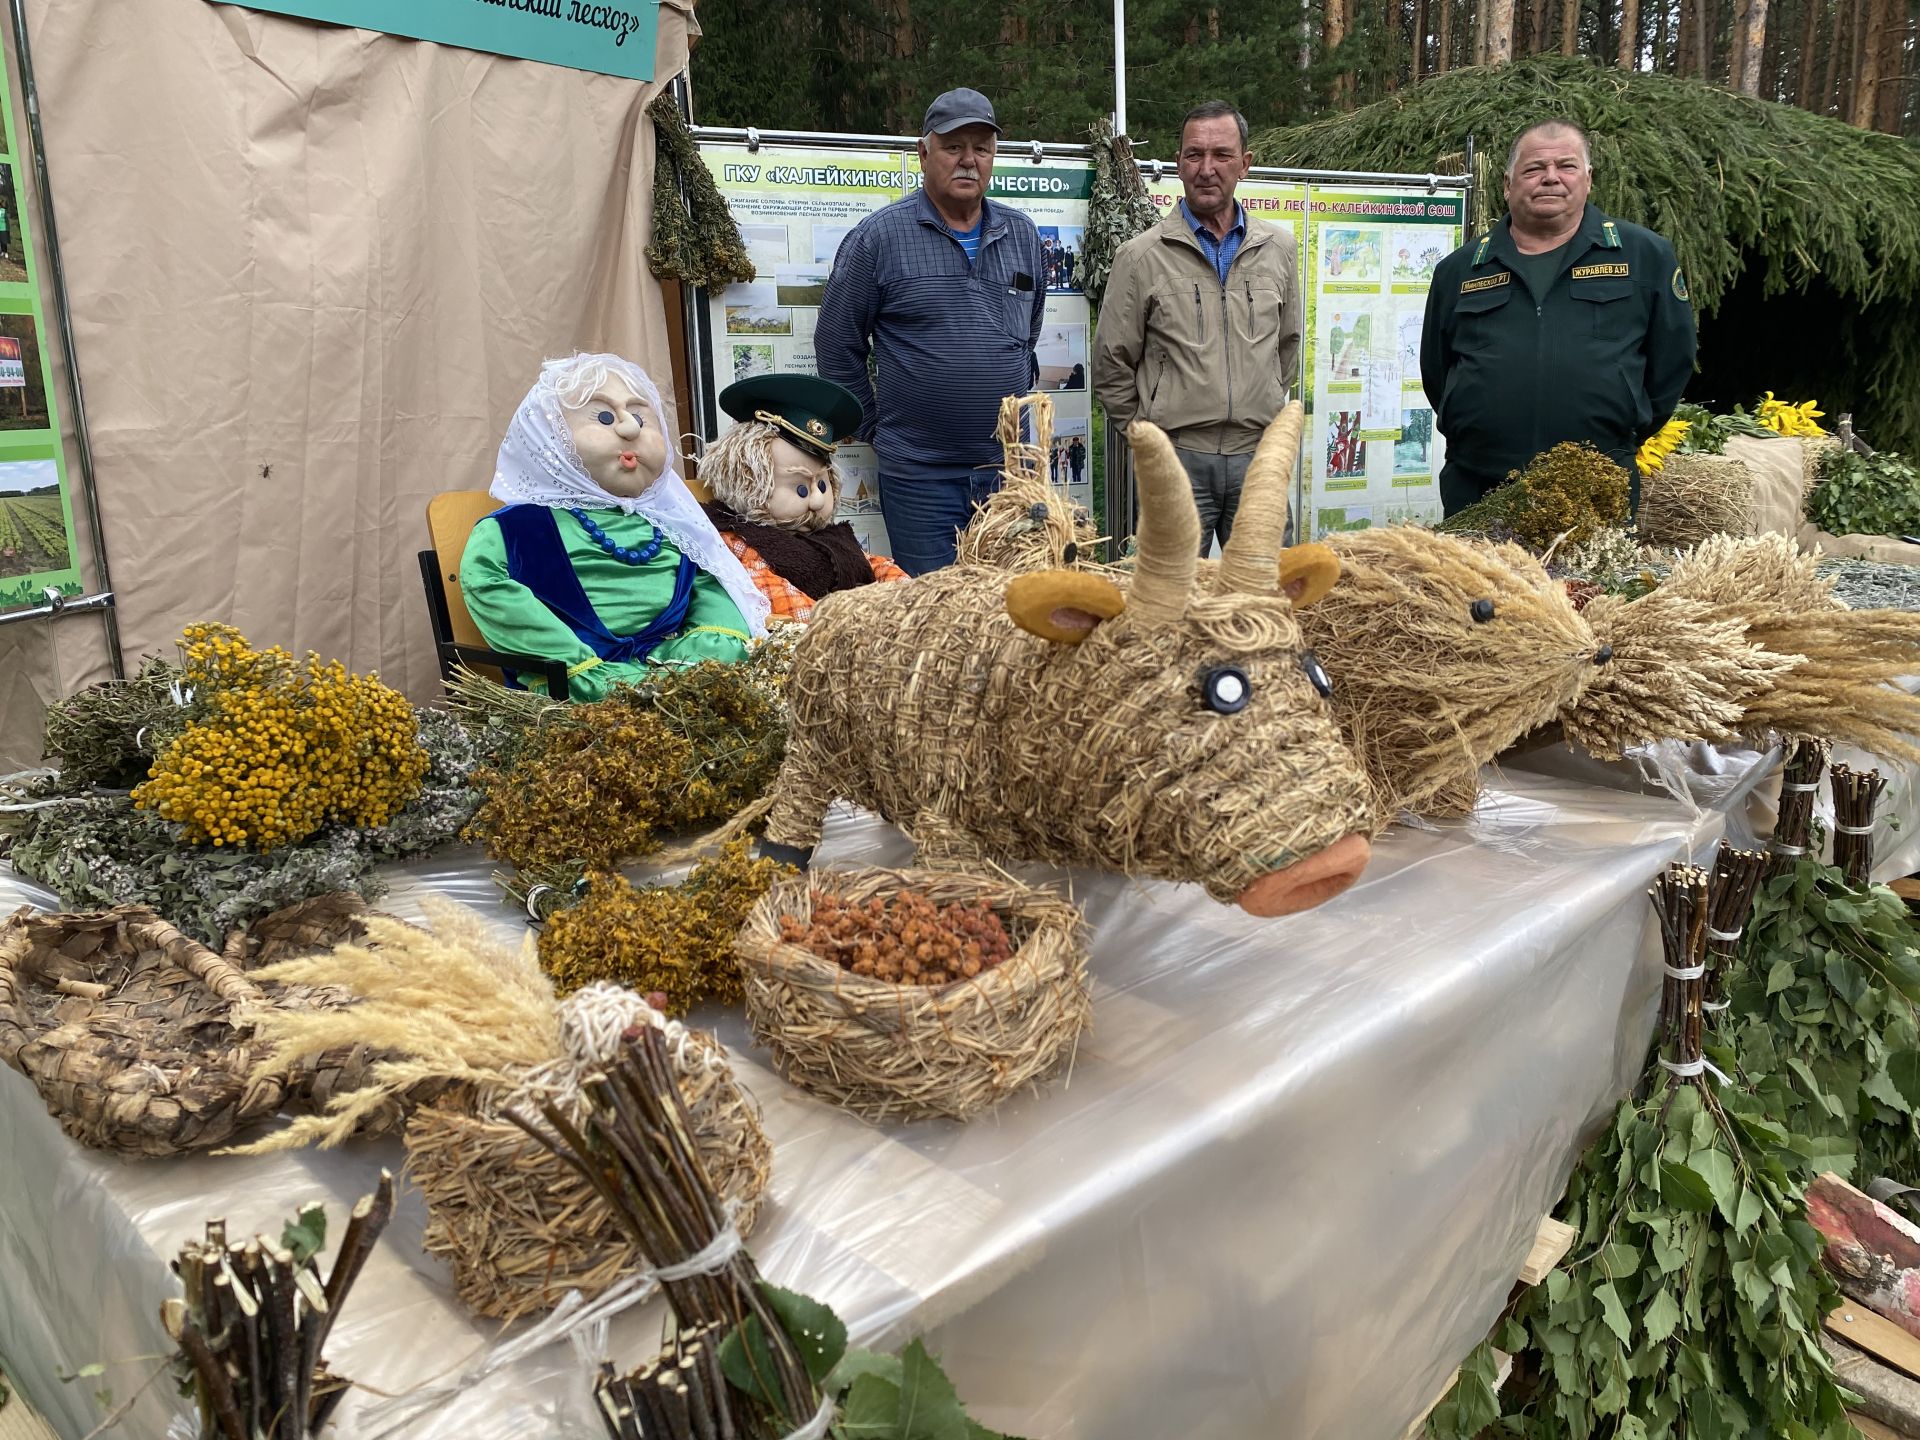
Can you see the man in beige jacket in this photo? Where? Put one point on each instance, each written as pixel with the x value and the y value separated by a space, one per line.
pixel 1200 328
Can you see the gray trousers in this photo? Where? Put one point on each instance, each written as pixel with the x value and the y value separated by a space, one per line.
pixel 1216 481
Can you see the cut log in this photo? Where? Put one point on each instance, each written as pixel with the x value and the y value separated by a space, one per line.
pixel 1873 1429
pixel 1872 1251
pixel 1885 1395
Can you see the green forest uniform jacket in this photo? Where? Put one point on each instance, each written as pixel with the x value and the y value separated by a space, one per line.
pixel 1209 363
pixel 1601 357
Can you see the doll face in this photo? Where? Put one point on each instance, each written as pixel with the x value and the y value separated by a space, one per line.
pixel 802 496
pixel 619 440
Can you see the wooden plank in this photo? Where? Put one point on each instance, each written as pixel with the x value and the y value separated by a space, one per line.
pixel 1873 1429
pixel 1907 889
pixel 20 1421
pixel 1550 1245
pixel 1877 1335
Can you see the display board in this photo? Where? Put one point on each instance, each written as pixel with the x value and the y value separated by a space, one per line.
pixel 1365 254
pixel 795 206
pixel 36 511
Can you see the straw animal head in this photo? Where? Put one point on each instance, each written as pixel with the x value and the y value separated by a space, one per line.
pixel 1443 653
pixel 1218 757
pixel 1029 523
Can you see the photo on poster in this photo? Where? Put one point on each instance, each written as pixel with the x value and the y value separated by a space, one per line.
pixel 826 242
pixel 859 472
pixel 752 310
pixel 1347 345
pixel 1062 353
pixel 1060 249
pixel 1328 519
pixel 800 285
pixel 752 360
pixel 1067 460
pixel 1346 454
pixel 33 526
pixel 1349 256
pixel 13 240
pixel 871 531
pixel 766 246
pixel 1416 254
pixel 23 389
pixel 1413 451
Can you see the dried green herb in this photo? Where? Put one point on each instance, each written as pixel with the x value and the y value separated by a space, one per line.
pixel 695 237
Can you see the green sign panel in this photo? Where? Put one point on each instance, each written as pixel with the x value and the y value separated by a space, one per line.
pixel 610 38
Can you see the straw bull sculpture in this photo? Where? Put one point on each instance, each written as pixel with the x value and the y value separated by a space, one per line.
pixel 1143 723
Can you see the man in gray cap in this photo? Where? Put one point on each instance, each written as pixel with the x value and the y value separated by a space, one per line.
pixel 945 290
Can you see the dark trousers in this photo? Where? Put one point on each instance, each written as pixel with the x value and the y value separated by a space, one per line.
pixel 924 516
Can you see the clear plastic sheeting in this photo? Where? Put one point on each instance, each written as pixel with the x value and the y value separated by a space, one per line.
pixel 1285 1187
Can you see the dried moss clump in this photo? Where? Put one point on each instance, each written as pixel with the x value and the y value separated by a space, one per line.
pixel 1570 491
pixel 677 940
pixel 591 785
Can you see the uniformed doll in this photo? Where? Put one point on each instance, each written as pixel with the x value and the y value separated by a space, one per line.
pixel 774 490
pixel 601 557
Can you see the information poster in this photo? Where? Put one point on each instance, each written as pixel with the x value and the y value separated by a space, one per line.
pixel 1373 454
pixel 36 513
pixel 794 207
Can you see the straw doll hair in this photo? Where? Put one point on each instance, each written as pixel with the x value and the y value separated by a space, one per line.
pixel 738 469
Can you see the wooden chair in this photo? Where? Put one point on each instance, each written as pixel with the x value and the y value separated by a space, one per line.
pixel 451 517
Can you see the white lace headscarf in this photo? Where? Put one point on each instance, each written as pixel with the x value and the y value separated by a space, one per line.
pixel 538 465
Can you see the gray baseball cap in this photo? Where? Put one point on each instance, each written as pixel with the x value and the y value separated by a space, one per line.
pixel 957 108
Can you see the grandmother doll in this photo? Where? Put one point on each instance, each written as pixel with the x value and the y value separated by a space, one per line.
pixel 601 557
pixel 774 490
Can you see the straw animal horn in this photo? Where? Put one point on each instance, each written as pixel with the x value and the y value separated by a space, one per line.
pixel 1169 529
pixel 1247 560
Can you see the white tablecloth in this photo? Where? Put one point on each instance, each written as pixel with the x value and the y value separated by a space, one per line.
pixel 1286 1186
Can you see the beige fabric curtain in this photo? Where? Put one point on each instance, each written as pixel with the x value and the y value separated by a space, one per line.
pixel 312 272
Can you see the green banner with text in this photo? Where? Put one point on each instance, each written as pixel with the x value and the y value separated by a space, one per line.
pixel 610 38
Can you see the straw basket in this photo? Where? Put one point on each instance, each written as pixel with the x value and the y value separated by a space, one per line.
pixel 908 1051
pixel 519 1227
pixel 126 1027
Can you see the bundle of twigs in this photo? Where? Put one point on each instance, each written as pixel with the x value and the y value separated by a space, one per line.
pixel 636 1149
pixel 1799 783
pixel 1682 898
pixel 1736 880
pixel 1855 793
pixel 256 1315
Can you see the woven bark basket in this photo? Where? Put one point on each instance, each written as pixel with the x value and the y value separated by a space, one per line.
pixel 126 1028
pixel 890 1052
pixel 521 1228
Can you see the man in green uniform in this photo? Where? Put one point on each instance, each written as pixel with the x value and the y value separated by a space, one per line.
pixel 1557 324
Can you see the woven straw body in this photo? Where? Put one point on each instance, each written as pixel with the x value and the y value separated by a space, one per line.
pixel 908 1051
pixel 125 1025
pixel 519 1227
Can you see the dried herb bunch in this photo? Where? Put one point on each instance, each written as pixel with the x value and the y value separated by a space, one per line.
pixel 1571 491
pixel 97 851
pixel 275 747
pixel 695 237
pixel 255 1318
pixel 676 940
pixel 108 734
pixel 591 785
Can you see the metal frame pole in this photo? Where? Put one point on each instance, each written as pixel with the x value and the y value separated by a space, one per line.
pixel 56 272
pixel 701 421
pixel 1120 68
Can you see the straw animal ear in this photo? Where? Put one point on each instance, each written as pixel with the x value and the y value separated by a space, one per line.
pixel 1260 523
pixel 1063 606
pixel 1307 573
pixel 1169 551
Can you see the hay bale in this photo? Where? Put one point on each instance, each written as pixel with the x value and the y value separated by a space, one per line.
pixel 131 1031
pixel 909 1051
pixel 1693 496
pixel 518 1225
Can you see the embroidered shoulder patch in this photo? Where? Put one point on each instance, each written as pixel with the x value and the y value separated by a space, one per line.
pixel 1590 272
pixel 1679 284
pixel 1486 282
pixel 1612 234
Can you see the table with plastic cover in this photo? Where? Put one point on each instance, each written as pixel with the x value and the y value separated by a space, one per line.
pixel 1284 1188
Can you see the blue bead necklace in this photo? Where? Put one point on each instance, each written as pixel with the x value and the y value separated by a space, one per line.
pixel 619 552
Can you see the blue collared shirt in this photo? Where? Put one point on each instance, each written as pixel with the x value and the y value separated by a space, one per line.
pixel 1220 250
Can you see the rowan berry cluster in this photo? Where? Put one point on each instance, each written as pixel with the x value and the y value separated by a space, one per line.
pixel 905 939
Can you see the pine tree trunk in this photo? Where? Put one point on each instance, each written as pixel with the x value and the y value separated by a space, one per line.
pixel 1537 28
pixel 1846 50
pixel 1737 47
pixel 1569 27
pixel 1893 85
pixel 1661 59
pixel 1419 40
pixel 1809 40
pixel 1770 84
pixel 1500 32
pixel 1443 51
pixel 1336 33
pixel 1749 39
pixel 1629 35
pixel 1709 23
pixel 1838 44
pixel 1685 48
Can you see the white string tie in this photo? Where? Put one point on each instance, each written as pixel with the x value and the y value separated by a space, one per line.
pixel 1687 1069
pixel 816 1428
pixel 1840 829
pixel 1686 972
pixel 1800 786
pixel 1725 937
pixel 1779 849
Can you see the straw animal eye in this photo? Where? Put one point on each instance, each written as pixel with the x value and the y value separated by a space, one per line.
pixel 1481 610
pixel 1317 673
pixel 1037 511
pixel 1225 690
